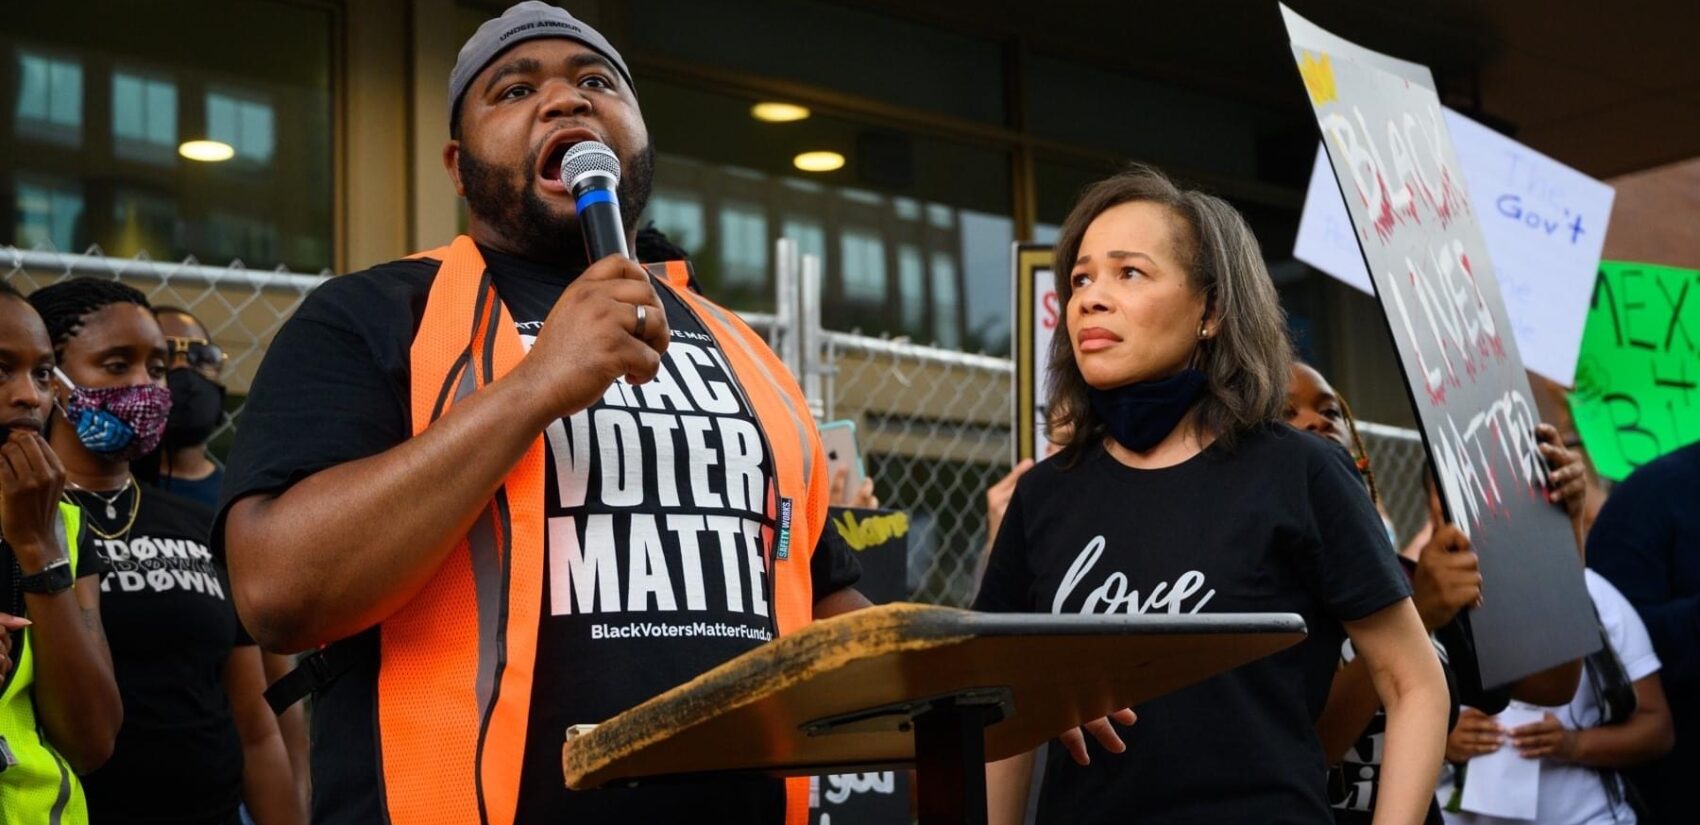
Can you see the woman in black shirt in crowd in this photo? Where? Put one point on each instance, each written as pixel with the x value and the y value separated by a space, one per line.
pixel 1445 578
pixel 197 738
pixel 1181 491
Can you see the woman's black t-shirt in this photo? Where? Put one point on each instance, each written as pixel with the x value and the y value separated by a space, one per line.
pixel 165 606
pixel 1282 523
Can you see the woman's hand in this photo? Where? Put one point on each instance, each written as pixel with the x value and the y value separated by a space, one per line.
pixel 1074 739
pixel 9 624
pixel 1545 739
pixel 1568 480
pixel 1476 734
pixel 1448 577
pixel 31 480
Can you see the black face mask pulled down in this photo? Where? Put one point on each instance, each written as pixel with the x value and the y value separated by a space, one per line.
pixel 197 407
pixel 1140 415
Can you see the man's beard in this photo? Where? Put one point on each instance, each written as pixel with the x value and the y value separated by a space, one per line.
pixel 529 225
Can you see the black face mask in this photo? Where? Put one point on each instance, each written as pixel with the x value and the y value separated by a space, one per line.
pixel 197 408
pixel 1139 416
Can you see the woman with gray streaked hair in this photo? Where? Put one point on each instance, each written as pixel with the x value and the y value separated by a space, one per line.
pixel 1182 490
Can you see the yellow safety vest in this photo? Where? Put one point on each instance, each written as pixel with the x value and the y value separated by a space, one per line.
pixel 41 789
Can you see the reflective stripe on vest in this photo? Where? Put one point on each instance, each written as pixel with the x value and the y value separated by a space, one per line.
pixel 41 789
pixel 451 726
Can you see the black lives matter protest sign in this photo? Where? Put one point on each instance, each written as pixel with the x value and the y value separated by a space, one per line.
pixel 1382 125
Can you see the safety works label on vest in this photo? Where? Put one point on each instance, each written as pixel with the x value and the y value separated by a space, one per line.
pixel 656 503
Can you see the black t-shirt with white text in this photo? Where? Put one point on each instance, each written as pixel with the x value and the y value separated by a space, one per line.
pixel 1281 523
pixel 165 607
pixel 657 501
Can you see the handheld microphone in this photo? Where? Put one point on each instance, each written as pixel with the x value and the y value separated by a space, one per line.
pixel 591 171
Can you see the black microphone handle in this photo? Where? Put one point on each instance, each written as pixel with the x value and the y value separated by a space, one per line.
pixel 604 230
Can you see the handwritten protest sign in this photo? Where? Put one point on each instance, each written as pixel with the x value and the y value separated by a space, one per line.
pixel 1038 313
pixel 1390 151
pixel 879 539
pixel 1637 391
pixel 1544 223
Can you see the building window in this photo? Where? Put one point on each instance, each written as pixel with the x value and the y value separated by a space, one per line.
pixel 241 238
pixel 863 254
pixel 945 325
pixel 50 98
pixel 912 288
pixel 144 118
pixel 940 216
pixel 743 238
pixel 247 125
pixel 144 221
pixel 810 238
pixel 48 216
pixel 98 113
pixel 877 223
pixel 678 215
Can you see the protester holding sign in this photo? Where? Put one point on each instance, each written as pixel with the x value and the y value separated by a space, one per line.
pixel 1435 280
pixel 1446 579
pixel 1181 491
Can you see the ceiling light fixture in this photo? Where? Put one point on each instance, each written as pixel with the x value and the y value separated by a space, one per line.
pixel 206 151
pixel 818 161
pixel 773 112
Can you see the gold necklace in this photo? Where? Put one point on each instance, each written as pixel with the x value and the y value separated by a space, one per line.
pixel 111 510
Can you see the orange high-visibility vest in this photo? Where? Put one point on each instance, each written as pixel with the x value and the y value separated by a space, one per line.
pixel 456 663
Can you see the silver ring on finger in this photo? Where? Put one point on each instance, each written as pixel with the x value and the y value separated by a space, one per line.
pixel 642 320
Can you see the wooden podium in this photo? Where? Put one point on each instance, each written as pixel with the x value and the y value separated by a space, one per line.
pixel 944 689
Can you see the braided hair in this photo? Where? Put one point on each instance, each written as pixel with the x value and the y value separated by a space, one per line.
pixel 65 305
pixel 1361 455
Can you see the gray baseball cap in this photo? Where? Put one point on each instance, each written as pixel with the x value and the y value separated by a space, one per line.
pixel 529 20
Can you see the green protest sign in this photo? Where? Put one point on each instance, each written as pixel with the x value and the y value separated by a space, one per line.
pixel 1637 392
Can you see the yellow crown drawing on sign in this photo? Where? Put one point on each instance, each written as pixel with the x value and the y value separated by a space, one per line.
pixel 1318 76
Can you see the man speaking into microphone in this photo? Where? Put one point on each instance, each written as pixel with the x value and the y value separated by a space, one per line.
pixel 514 484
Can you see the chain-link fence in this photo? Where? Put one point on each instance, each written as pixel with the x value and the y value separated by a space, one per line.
pixel 241 308
pixel 934 424
pixel 1397 459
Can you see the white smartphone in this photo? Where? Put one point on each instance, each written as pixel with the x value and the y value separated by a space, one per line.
pixel 839 438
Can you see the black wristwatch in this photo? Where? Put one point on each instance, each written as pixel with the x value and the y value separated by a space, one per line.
pixel 54 578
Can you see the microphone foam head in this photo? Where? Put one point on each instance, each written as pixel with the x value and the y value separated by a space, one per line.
pixel 586 157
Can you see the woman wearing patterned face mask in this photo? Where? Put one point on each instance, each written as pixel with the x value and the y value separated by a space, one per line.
pixel 1181 491
pixel 197 738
